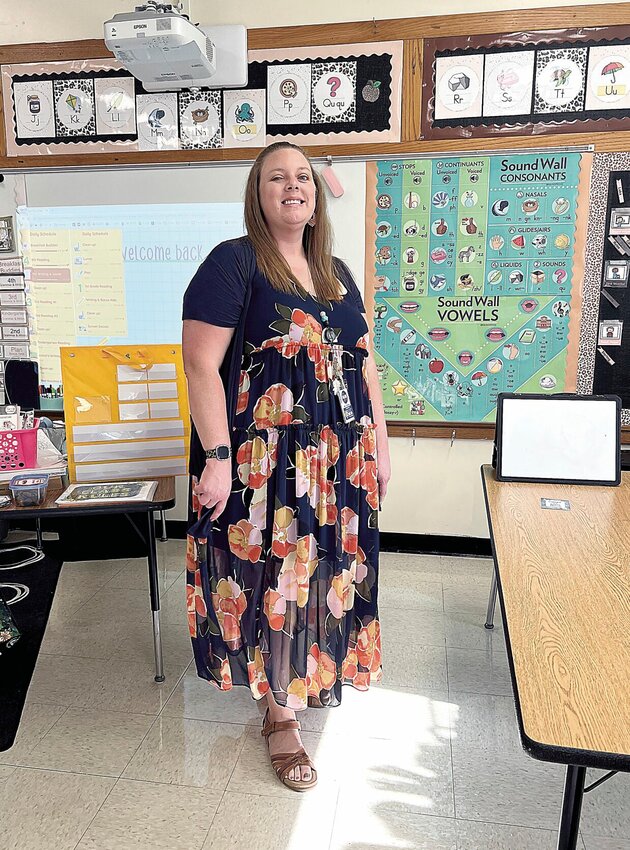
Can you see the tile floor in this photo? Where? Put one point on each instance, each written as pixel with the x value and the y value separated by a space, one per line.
pixel 107 760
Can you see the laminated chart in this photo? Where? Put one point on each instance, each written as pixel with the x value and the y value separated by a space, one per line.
pixel 475 268
pixel 126 412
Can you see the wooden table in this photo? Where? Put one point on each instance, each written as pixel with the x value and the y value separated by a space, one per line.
pixel 162 499
pixel 564 585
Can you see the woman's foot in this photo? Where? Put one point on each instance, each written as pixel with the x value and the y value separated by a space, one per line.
pixel 287 741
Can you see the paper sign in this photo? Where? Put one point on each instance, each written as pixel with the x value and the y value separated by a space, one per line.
pixel 560 80
pixel 610 332
pixel 200 120
pixel 244 119
pixel 608 79
pixel 334 92
pixel 34 112
pixel 555 504
pixel 115 106
pixel 14 332
pixel 157 121
pixel 458 86
pixel 289 94
pixel 75 113
pixel 508 83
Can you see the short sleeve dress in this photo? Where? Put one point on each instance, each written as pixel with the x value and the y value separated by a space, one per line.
pixel 282 589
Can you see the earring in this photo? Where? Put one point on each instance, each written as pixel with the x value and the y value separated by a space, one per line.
pixel 312 221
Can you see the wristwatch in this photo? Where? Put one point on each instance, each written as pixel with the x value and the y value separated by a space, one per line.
pixel 221 452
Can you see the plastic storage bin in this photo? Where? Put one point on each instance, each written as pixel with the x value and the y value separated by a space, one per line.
pixel 18 449
pixel 28 491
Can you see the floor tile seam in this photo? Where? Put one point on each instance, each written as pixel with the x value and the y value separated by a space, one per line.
pixel 96 814
pixel 66 772
pixel 41 738
pixel 170 696
pixel 503 823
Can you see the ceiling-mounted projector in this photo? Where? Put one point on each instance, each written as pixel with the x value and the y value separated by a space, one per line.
pixel 166 52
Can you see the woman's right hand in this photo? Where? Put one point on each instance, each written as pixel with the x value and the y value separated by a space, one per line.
pixel 215 485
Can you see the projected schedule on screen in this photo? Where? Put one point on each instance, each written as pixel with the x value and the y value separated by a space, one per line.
pixel 114 274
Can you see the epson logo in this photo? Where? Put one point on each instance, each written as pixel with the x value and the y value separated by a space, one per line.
pixel 140 26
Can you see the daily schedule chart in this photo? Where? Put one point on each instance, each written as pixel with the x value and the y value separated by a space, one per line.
pixel 473 269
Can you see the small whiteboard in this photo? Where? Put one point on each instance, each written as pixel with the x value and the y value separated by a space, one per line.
pixel 559 438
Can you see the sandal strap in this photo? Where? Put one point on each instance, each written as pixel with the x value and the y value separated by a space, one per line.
pixel 281 726
pixel 283 763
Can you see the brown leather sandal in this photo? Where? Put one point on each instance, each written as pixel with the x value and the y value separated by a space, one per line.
pixel 283 763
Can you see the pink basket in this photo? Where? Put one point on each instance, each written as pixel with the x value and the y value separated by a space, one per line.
pixel 18 449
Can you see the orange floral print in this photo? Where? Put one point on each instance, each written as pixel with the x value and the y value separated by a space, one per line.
pixel 229 603
pixel 304 329
pixel 353 466
pixel 284 538
pixel 369 483
pixel 321 673
pixel 257 676
pixel 274 407
pixel 326 509
pixel 297 694
pixel 195 604
pixel 350 665
pixel 283 345
pixel 369 646
pixel 255 461
pixel 243 392
pixel 275 607
pixel 245 541
pixel 349 530
pixel 296 571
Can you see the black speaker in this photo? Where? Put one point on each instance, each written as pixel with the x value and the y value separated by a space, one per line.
pixel 21 383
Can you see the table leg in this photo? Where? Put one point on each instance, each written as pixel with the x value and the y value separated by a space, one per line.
pixel 571 807
pixel 164 536
pixel 492 601
pixel 155 596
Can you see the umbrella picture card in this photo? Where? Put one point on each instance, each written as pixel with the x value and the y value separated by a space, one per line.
pixel 560 80
pixel 508 83
pixel 458 87
pixel 608 78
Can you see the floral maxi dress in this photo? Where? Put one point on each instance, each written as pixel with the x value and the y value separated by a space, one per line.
pixel 282 589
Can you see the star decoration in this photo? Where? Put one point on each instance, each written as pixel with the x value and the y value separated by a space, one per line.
pixel 399 388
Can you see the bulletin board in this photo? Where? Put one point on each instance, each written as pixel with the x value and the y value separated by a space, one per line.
pixel 339 93
pixel 527 83
pixel 604 363
pixel 477 266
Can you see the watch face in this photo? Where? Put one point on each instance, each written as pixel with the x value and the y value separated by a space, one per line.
pixel 223 452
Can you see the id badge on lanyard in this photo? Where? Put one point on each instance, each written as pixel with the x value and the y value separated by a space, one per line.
pixel 339 386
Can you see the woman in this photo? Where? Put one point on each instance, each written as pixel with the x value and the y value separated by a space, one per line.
pixel 282 565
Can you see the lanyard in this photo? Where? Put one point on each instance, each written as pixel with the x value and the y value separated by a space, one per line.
pixel 336 379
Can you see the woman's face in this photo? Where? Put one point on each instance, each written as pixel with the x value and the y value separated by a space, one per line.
pixel 286 190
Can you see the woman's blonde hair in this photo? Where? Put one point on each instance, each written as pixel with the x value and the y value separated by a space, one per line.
pixel 317 240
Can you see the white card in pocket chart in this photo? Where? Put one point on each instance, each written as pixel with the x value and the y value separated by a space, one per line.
pixel 610 332
pixel 458 86
pixel 289 94
pixel 115 106
pixel 508 83
pixel 244 119
pixel 157 121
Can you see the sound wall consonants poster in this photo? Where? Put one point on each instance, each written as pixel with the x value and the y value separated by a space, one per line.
pixel 474 271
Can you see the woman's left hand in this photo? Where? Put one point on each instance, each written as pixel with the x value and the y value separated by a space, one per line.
pixel 383 474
